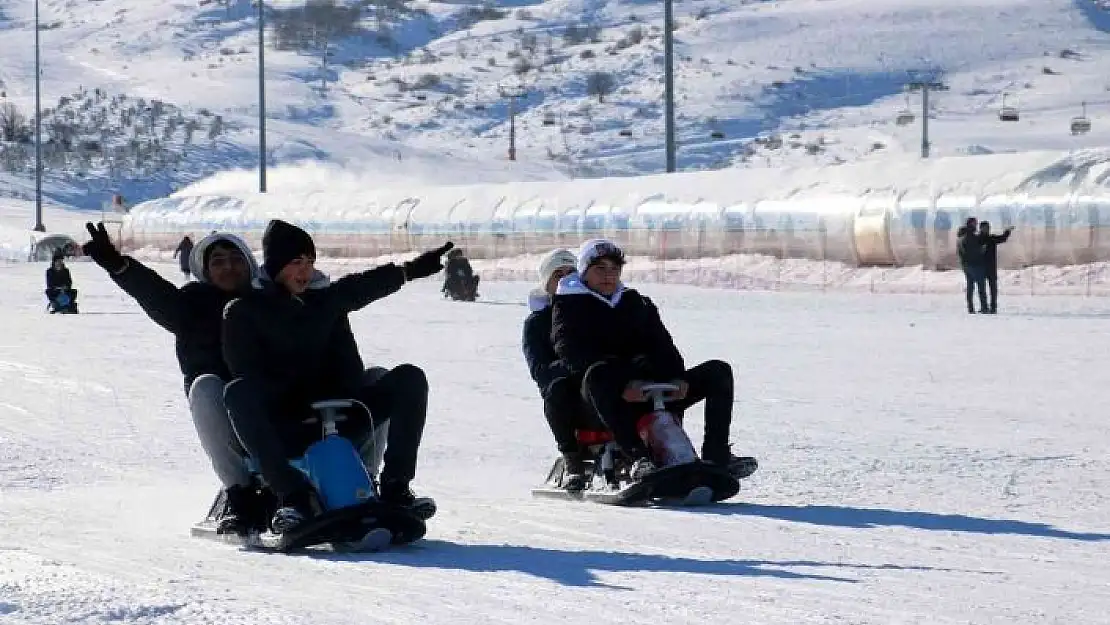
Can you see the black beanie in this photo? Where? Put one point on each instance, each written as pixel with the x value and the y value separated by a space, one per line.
pixel 281 243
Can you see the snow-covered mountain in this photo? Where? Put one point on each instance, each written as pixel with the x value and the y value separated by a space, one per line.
pixel 145 97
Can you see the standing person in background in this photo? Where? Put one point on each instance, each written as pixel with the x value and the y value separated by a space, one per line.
pixel 990 244
pixel 972 259
pixel 182 253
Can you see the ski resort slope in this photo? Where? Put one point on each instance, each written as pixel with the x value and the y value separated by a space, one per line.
pixel 919 465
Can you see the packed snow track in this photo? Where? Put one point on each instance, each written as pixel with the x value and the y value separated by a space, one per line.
pixel 918 465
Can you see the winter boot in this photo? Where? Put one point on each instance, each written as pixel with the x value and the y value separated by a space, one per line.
pixel 739 467
pixel 574 471
pixel 294 509
pixel 241 511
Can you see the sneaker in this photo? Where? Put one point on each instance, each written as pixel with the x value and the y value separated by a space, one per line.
pixel 295 509
pixel 574 471
pixel 640 469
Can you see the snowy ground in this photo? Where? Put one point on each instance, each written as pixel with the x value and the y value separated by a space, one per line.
pixel 919 465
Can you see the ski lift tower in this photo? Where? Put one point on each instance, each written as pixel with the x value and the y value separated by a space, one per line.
pixel 512 93
pixel 924 87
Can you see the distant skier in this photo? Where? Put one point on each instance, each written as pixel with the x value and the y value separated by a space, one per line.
pixel 183 252
pixel 971 251
pixel 990 259
pixel 459 281
pixel 59 286
pixel 613 337
pixel 289 343
pixel 224 268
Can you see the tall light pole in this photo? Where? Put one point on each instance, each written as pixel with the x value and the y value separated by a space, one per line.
pixel 39 227
pixel 261 96
pixel 668 81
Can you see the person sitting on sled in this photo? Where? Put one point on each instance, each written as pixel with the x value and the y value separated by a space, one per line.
pixel 563 405
pixel 59 285
pixel 224 267
pixel 459 281
pixel 288 343
pixel 614 338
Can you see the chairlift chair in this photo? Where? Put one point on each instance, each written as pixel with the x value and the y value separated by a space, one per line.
pixel 717 134
pixel 905 116
pixel 548 119
pixel 1081 125
pixel 1008 113
pixel 625 132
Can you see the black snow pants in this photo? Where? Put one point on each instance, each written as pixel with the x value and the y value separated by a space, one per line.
pixel 267 421
pixel 711 381
pixel 976 277
pixel 567 411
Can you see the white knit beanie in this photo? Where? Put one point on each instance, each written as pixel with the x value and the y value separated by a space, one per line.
pixel 553 262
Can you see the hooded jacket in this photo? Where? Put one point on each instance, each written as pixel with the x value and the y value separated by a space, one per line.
pixel 302 345
pixel 191 313
pixel 624 329
pixel 543 363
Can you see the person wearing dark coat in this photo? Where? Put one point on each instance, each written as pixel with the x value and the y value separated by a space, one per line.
pixel 288 343
pixel 563 405
pixel 969 247
pixel 459 281
pixel 990 259
pixel 183 252
pixel 59 285
pixel 614 338
pixel 224 267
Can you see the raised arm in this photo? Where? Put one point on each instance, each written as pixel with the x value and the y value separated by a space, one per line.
pixel 355 291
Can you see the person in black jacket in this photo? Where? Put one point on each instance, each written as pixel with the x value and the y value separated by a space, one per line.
pixel 288 343
pixel 563 405
pixel 459 281
pixel 224 267
pixel 969 247
pixel 59 285
pixel 613 337
pixel 990 259
pixel 183 252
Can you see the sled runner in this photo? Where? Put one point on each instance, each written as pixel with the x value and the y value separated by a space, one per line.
pixel 682 478
pixel 353 518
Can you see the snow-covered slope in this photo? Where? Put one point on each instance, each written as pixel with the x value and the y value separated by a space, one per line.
pixel 897 485
pixel 416 92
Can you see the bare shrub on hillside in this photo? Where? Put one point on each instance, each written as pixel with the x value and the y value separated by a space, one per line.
pixel 12 122
pixel 600 84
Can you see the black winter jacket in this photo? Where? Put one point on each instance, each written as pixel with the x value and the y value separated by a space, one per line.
pixel 192 313
pixel 990 249
pixel 626 329
pixel 969 247
pixel 543 363
pixel 58 278
pixel 303 345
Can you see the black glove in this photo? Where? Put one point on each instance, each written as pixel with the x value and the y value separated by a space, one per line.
pixel 427 264
pixel 101 250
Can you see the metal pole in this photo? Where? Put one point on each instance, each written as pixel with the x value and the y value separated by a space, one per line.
pixel 668 81
pixel 512 129
pixel 261 96
pixel 925 121
pixel 39 227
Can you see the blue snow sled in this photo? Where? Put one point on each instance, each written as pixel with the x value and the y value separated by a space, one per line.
pixel 353 518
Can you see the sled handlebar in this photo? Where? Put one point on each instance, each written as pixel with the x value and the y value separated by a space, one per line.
pixel 658 393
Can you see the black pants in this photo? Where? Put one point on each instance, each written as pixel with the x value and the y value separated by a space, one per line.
pixel 566 411
pixel 976 277
pixel 267 421
pixel 992 285
pixel 711 381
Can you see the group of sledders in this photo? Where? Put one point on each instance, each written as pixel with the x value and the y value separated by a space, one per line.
pixel 312 447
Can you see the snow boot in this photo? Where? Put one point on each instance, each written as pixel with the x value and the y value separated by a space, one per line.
pixel 574 471
pixel 295 509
